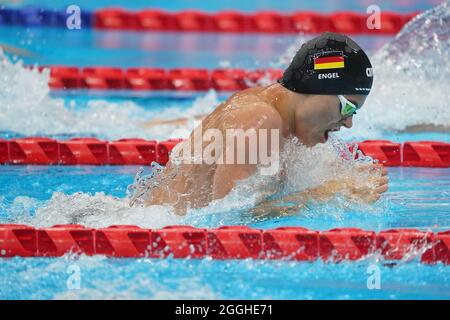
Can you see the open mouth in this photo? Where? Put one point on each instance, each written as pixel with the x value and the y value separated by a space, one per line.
pixel 327 132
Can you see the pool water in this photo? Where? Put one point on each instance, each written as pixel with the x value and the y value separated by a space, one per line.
pixel 418 198
pixel 119 114
pixel 43 195
pixel 163 49
pixel 101 278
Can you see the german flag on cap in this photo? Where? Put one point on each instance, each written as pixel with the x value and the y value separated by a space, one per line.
pixel 330 56
pixel 331 62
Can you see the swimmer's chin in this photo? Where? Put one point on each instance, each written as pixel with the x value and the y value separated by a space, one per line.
pixel 314 140
pixel 311 144
pixel 324 138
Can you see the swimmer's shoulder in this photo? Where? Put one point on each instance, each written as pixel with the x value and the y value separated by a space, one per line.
pixel 252 110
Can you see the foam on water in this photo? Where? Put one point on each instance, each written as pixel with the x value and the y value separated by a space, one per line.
pixel 26 108
pixel 411 77
pixel 302 168
pixel 98 210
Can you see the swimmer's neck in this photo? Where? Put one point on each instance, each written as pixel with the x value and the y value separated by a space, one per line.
pixel 285 102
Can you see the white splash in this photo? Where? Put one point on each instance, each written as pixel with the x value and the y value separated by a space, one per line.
pixel 411 77
pixel 26 108
pixel 98 211
pixel 302 167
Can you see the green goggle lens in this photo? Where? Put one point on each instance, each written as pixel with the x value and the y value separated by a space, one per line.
pixel 347 108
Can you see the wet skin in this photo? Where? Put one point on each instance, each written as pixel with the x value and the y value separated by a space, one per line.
pixel 308 117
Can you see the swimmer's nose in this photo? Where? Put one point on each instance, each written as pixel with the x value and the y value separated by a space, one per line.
pixel 348 122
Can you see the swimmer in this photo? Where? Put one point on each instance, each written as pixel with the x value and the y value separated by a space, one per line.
pixel 326 83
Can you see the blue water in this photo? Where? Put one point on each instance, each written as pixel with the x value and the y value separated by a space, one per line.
pixel 205 279
pixel 87 47
pixel 417 198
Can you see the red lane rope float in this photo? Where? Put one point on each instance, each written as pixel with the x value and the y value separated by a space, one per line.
pixel 181 79
pixel 386 152
pixel 233 21
pixel 426 153
pixel 133 151
pixel 229 242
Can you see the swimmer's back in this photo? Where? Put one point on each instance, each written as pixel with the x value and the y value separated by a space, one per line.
pixel 192 185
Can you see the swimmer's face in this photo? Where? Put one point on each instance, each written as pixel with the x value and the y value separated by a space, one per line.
pixel 320 114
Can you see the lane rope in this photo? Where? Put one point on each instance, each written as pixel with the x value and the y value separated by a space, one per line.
pixel 228 242
pixel 134 151
pixel 346 22
pixel 150 79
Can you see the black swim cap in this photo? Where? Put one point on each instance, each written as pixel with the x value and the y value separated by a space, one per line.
pixel 329 64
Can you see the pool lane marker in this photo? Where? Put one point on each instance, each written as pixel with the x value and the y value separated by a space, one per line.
pixel 151 20
pixel 144 79
pixel 134 151
pixel 228 242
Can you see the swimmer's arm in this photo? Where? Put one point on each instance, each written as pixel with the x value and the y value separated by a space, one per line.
pixel 292 203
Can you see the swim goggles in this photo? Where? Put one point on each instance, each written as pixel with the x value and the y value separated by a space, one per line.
pixel 347 108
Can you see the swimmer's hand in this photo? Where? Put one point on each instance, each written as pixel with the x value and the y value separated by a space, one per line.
pixel 371 191
pixel 371 168
pixel 375 185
